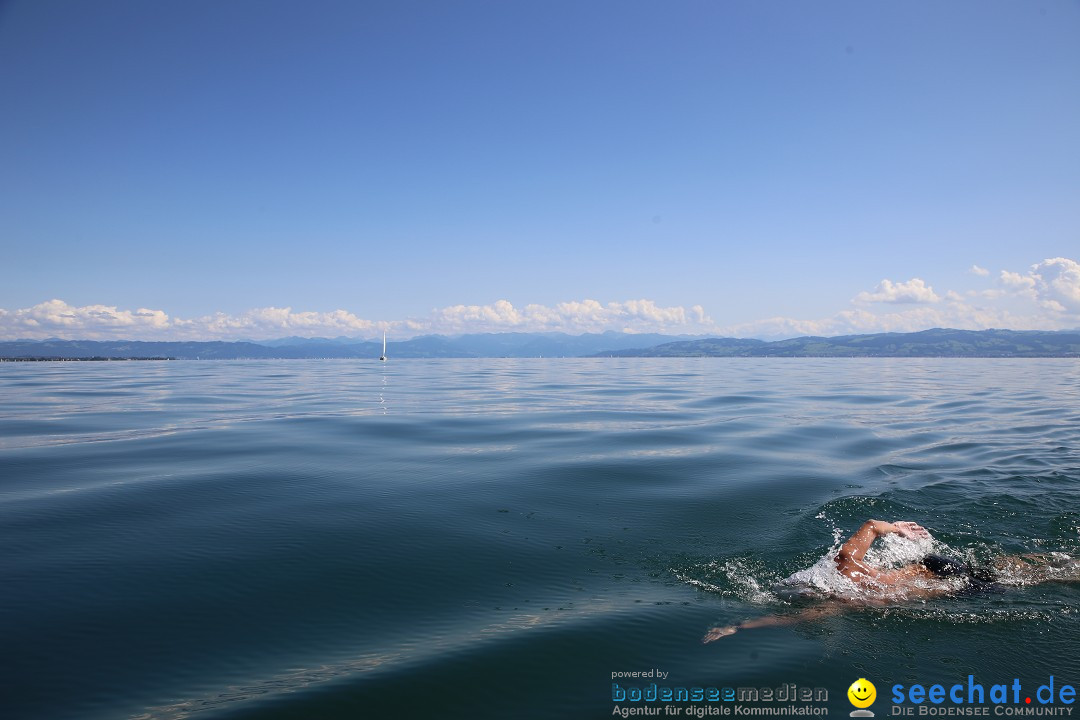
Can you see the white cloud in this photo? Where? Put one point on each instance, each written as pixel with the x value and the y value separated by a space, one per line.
pixel 981 271
pixel 912 291
pixel 1053 283
pixel 275 322
pixel 957 314
pixel 1046 297
pixel 571 317
pixel 1017 283
pixel 1057 281
pixel 57 318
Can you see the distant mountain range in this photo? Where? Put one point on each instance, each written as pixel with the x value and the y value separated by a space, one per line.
pixel 928 343
pixel 427 346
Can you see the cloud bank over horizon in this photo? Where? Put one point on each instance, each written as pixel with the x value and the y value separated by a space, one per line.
pixel 1045 297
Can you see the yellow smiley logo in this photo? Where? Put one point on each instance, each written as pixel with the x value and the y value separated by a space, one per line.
pixel 862 693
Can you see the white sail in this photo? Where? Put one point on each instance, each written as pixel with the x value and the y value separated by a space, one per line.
pixel 383 356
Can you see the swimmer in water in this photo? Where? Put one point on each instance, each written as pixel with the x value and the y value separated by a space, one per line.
pixel 932 576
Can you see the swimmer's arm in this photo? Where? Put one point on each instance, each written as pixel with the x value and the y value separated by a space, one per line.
pixel 856 546
pixel 851 552
pixel 773 621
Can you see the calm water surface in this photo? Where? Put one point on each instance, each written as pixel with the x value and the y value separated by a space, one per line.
pixel 494 538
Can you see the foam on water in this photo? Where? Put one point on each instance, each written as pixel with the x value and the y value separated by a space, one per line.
pixel 823 580
pixel 736 577
pixel 754 582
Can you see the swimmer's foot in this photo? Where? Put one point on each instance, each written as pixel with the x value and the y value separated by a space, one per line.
pixel 1035 568
pixel 1061 560
pixel 1050 559
pixel 718 632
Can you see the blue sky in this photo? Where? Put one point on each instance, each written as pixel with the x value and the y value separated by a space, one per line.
pixel 208 169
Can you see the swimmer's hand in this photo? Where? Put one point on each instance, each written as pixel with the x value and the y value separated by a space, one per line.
pixel 718 632
pixel 912 531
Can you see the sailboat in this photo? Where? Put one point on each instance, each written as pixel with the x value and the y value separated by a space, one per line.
pixel 382 358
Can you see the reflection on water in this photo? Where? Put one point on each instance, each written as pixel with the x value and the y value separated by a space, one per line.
pixel 281 539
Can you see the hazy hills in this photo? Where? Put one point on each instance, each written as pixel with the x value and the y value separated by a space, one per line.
pixel 427 346
pixel 928 343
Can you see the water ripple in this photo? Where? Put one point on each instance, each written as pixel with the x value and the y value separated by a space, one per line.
pixel 190 538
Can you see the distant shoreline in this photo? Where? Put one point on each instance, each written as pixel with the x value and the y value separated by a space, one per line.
pixel 79 359
pixel 568 357
pixel 934 343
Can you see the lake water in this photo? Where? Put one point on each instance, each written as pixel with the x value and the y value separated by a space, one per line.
pixel 495 538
